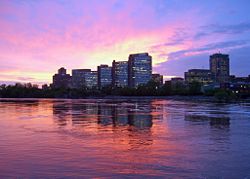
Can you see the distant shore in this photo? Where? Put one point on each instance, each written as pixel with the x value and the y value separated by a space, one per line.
pixel 174 97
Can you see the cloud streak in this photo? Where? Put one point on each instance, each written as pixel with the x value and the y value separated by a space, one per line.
pixel 217 29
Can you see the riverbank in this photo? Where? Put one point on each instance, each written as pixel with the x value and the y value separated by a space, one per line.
pixel 110 97
pixel 147 91
pixel 200 98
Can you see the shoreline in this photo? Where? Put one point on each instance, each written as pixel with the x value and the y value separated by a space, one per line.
pixel 174 97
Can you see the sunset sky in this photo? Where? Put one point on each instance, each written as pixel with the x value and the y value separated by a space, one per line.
pixel 39 36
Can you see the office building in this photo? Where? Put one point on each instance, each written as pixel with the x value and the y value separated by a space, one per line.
pixel 139 69
pixel 78 78
pixel 219 66
pixel 199 75
pixel 61 79
pixel 234 79
pixel 177 80
pixel 120 73
pixel 104 76
pixel 157 78
pixel 84 78
pixel 91 79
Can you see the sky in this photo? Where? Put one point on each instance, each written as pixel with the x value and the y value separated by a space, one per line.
pixel 39 36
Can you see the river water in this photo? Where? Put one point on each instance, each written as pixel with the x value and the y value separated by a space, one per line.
pixel 113 138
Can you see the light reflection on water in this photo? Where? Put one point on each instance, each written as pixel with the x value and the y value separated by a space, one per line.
pixel 117 138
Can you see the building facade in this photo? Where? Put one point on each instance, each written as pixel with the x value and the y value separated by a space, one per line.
pixel 139 69
pixel 120 73
pixel 199 75
pixel 177 80
pixel 84 78
pixel 91 80
pixel 157 78
pixel 177 84
pixel 78 78
pixel 104 76
pixel 61 79
pixel 234 79
pixel 219 66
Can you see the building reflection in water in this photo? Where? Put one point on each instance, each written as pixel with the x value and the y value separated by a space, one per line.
pixel 84 114
pixel 129 123
pixel 139 115
pixel 219 133
pixel 61 111
pixel 124 115
pixel 105 114
pixel 217 122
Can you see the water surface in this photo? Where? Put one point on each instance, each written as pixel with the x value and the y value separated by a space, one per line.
pixel 123 138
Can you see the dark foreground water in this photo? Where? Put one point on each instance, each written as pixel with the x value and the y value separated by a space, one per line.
pixel 123 138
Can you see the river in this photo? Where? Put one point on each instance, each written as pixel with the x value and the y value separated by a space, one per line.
pixel 113 138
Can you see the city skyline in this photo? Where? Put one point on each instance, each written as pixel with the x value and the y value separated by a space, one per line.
pixel 81 34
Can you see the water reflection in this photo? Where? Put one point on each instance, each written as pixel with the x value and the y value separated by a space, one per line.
pixel 217 122
pixel 220 122
pixel 61 110
pixel 219 135
pixel 123 138
pixel 104 114
pixel 128 123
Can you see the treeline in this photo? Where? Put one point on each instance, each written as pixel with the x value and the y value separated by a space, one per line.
pixel 151 89
pixel 20 91
pixel 33 91
pixel 155 89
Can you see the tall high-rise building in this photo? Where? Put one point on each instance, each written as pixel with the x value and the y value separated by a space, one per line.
pixel 139 69
pixel 61 79
pixel 104 76
pixel 120 73
pixel 84 78
pixel 219 66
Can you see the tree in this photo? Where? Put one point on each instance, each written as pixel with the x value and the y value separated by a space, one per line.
pixel 194 88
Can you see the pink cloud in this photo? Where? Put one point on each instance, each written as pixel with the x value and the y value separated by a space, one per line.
pixel 44 35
